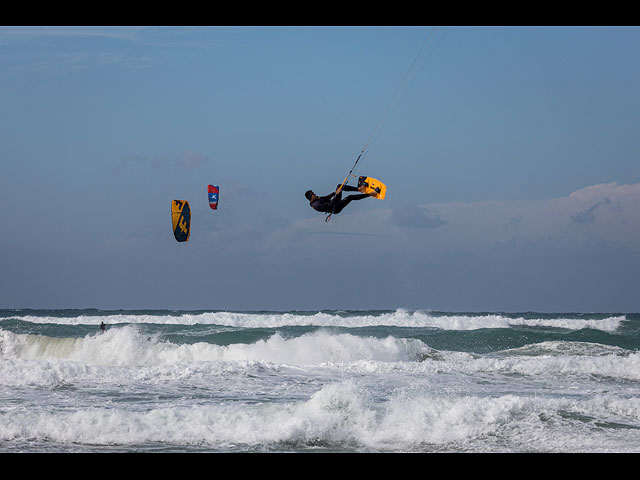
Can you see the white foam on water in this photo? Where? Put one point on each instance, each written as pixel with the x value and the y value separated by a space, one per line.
pixel 341 415
pixel 127 346
pixel 398 318
pixel 35 359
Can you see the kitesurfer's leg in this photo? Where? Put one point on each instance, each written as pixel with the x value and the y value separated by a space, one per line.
pixel 345 201
pixel 348 188
pixel 338 197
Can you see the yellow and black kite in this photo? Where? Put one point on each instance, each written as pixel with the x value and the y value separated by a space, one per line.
pixel 181 220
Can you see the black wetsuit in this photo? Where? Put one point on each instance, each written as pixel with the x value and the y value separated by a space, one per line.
pixel 333 203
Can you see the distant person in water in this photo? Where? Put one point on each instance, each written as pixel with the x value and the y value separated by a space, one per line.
pixel 334 203
pixel 103 327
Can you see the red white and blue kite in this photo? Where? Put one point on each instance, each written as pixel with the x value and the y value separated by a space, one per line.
pixel 214 192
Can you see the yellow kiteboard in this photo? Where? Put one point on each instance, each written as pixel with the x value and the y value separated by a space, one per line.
pixel 371 185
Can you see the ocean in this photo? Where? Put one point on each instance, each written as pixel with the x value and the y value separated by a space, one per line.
pixel 318 381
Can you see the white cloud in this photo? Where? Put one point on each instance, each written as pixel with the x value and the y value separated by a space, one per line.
pixel 607 212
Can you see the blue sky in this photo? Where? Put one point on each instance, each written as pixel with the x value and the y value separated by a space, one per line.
pixel 511 162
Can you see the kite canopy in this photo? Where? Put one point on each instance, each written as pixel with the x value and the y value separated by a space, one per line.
pixel 181 220
pixel 214 192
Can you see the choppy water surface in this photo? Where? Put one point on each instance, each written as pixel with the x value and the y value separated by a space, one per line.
pixel 335 381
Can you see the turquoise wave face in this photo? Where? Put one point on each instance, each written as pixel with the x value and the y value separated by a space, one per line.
pixel 472 332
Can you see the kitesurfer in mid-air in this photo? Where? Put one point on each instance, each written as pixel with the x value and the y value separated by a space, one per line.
pixel 334 203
